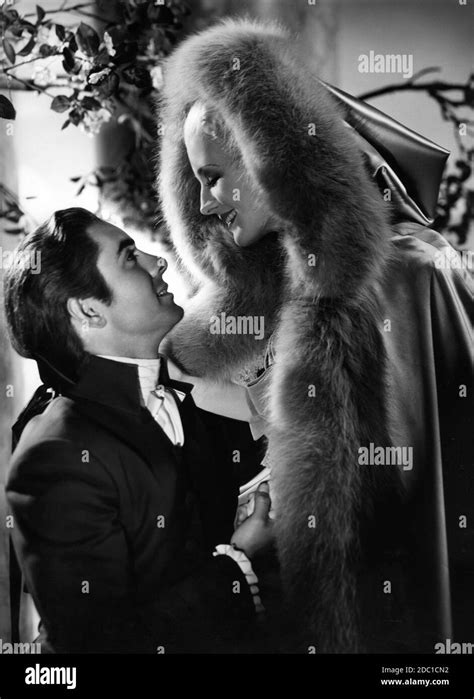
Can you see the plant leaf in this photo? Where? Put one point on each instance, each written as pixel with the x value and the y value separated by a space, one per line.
pixel 69 62
pixel 40 13
pixel 27 48
pixel 90 103
pixel 61 103
pixel 9 51
pixel 107 87
pixel 87 39
pixel 46 50
pixel 7 110
pixel 60 31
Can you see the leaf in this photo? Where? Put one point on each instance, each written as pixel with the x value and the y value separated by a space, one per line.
pixel 46 50
pixel 69 62
pixel 40 13
pixel 75 117
pixel 73 43
pixel 12 15
pixel 137 75
pixel 65 125
pixel 7 110
pixel 60 31
pixel 90 103
pixel 61 103
pixel 107 87
pixel 27 48
pixel 16 30
pixel 102 58
pixel 87 39
pixel 9 51
pixel 160 14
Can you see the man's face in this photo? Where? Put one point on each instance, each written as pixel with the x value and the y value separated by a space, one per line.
pixel 140 309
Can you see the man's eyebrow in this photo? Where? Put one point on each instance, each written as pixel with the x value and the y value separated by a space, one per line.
pixel 125 243
pixel 203 167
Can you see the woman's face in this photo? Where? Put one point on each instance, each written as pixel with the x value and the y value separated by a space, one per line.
pixel 226 190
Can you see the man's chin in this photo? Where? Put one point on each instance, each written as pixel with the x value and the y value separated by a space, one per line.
pixel 180 311
pixel 168 316
pixel 175 314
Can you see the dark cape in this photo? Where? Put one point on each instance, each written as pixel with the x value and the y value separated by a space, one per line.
pixel 372 348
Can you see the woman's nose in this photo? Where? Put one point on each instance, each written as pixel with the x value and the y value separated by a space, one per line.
pixel 208 203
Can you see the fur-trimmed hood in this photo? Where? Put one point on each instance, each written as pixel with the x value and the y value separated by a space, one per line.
pixel 294 144
pixel 317 285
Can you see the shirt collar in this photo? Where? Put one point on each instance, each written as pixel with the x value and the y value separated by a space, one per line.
pixel 148 372
pixel 114 384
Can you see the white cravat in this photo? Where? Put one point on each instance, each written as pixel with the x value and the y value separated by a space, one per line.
pixel 158 399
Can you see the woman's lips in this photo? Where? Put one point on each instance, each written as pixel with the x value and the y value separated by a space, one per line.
pixel 229 217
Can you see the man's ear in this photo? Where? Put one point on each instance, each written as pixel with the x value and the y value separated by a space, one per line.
pixel 86 313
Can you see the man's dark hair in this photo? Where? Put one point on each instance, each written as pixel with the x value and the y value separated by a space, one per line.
pixel 38 320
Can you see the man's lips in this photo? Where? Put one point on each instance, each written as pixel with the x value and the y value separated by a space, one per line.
pixel 162 290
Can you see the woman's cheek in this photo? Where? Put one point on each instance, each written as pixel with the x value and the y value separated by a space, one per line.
pixel 229 196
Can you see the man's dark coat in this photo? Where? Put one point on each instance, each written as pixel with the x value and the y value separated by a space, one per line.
pixel 115 526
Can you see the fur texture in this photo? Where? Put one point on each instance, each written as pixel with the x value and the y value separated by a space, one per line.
pixel 316 284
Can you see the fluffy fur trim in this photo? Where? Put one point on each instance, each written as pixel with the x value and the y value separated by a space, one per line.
pixel 316 283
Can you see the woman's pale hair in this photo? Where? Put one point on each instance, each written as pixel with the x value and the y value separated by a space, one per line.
pixel 204 118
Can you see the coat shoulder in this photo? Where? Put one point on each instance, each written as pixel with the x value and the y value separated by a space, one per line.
pixel 59 433
pixel 423 250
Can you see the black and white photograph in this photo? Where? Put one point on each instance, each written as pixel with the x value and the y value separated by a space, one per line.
pixel 236 416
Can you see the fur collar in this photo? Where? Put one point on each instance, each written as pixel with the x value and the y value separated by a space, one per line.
pixel 295 145
pixel 317 285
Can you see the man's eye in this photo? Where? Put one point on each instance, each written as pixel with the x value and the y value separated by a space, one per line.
pixel 131 255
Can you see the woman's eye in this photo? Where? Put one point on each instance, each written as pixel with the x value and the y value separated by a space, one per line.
pixel 212 181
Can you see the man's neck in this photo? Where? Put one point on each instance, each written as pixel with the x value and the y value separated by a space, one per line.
pixel 132 354
pixel 131 351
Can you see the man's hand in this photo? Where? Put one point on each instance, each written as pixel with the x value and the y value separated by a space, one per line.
pixel 255 535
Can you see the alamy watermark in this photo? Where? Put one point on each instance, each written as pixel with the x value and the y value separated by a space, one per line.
pixel 51 675
pixel 401 63
pixel 19 648
pixel 24 259
pixel 386 456
pixel 224 324
pixel 449 647
pixel 449 258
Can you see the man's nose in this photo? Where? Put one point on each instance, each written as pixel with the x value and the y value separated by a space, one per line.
pixel 154 265
pixel 161 264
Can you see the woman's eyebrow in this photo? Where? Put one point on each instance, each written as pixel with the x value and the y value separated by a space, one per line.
pixel 203 167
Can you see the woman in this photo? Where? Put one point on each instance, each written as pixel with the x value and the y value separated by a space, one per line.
pixel 280 208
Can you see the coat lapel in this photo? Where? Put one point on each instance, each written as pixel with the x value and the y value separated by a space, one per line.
pixel 108 394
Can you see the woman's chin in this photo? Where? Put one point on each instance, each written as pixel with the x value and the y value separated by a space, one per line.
pixel 243 238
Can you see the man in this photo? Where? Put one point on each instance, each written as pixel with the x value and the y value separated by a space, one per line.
pixel 118 497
